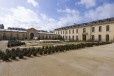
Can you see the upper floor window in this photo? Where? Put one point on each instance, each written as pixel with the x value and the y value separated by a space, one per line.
pixel 107 28
pixel 66 32
pixel 93 29
pixel 73 31
pixel 69 31
pixel 63 32
pixel 58 32
pixel 76 30
pixel 84 30
pixel 100 28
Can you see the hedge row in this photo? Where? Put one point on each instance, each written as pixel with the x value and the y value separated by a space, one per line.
pixel 12 43
pixel 20 53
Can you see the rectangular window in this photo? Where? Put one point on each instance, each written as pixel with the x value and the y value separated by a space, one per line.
pixel 72 37
pixel 107 28
pixel 76 30
pixel 107 38
pixel 66 32
pixel 73 31
pixel 69 37
pixel 84 30
pixel 100 38
pixel 76 38
pixel 100 28
pixel 63 32
pixel 69 31
pixel 92 37
pixel 93 29
pixel 66 37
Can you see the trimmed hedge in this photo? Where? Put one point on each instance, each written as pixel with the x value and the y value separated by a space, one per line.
pixel 12 43
pixel 13 54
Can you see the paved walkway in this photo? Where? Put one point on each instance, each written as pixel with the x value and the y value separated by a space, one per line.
pixel 94 61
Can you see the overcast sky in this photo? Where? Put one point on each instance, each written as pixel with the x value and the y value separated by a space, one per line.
pixel 51 14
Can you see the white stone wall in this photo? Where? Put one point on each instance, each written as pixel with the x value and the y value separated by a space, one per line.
pixel 88 33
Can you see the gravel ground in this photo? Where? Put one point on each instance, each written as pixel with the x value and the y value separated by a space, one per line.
pixel 94 61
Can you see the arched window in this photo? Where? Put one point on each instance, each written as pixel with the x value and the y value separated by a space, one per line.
pixel 31 35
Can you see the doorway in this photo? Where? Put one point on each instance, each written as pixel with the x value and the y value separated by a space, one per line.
pixel 31 35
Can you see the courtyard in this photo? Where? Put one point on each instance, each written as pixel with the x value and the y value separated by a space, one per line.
pixel 36 43
pixel 94 61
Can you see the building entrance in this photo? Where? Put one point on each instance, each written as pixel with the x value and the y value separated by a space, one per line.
pixel 31 35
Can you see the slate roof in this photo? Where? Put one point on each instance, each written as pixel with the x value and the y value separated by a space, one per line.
pixel 103 21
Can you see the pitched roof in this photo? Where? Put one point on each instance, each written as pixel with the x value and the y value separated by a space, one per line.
pixel 108 20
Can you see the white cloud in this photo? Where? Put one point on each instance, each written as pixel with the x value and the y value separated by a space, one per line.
pixel 70 17
pixel 26 18
pixel 19 16
pixel 101 12
pixel 33 2
pixel 88 3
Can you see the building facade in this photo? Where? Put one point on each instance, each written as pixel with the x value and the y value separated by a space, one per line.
pixel 23 34
pixel 101 30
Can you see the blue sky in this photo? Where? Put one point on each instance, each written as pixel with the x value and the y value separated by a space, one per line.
pixel 51 14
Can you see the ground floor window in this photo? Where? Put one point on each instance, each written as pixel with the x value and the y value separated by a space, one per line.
pixel 69 37
pixel 92 37
pixel 76 38
pixel 107 38
pixel 4 36
pixel 72 37
pixel 66 37
pixel 84 37
pixel 99 38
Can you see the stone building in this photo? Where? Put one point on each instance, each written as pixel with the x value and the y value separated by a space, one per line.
pixel 100 30
pixel 23 34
